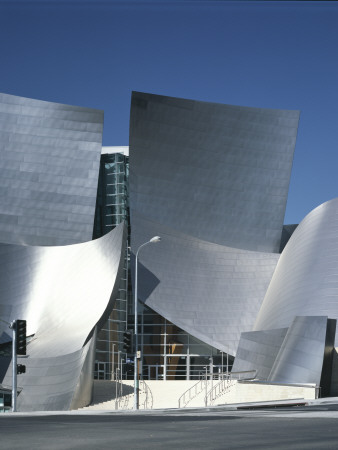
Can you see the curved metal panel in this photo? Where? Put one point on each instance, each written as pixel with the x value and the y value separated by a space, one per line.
pixel 211 291
pixel 305 281
pixel 300 358
pixel 62 292
pixel 50 382
pixel 219 173
pixel 49 164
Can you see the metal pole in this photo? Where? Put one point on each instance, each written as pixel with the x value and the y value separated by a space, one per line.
pixel 113 362
pixel 206 386
pixel 136 387
pixel 165 352
pixel 14 367
pixel 211 373
pixel 119 363
pixel 136 382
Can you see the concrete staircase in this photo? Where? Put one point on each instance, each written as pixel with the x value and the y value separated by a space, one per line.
pixel 163 394
pixel 111 395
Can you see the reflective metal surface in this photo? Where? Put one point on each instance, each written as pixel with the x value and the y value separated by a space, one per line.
pixel 216 172
pixel 305 280
pixel 288 355
pixel 211 291
pixel 50 275
pixel 300 359
pixel 258 350
pixel 63 293
pixel 49 162
pixel 56 383
pixel 212 181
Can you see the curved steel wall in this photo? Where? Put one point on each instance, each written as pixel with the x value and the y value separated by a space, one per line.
pixel 49 164
pixel 305 280
pixel 62 292
pixel 211 291
pixel 55 383
pixel 217 172
pixel 212 179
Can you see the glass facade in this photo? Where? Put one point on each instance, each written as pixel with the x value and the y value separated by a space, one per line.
pixel 111 209
pixel 167 352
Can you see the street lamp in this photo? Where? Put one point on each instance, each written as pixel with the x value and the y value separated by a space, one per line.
pixel 136 383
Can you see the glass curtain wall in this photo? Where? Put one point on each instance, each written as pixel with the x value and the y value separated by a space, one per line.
pixel 169 353
pixel 112 208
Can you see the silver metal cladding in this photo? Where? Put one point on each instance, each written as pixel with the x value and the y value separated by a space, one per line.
pixel 49 163
pixel 212 181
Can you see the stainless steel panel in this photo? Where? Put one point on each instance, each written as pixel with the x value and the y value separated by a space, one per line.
pixel 212 180
pixel 63 293
pixel 258 350
pixel 305 281
pixel 211 291
pixel 47 152
pixel 300 358
pixel 217 172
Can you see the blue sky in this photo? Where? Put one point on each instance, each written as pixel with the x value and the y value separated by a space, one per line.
pixel 264 54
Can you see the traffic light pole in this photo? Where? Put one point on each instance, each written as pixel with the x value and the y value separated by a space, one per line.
pixel 18 348
pixel 14 366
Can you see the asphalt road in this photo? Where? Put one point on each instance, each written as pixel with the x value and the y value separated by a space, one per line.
pixel 294 428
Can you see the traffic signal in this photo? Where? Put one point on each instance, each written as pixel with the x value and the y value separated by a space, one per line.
pixel 20 368
pixel 20 337
pixel 128 341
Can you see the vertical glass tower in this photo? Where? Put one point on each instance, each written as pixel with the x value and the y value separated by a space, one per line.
pixel 112 208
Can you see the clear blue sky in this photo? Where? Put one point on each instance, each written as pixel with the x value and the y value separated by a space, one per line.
pixel 263 54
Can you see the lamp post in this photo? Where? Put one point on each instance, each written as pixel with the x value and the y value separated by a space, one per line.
pixel 136 383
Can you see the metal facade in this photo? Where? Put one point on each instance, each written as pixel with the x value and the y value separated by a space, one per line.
pixel 258 350
pixel 63 293
pixel 49 162
pixel 212 181
pixel 300 359
pixel 51 273
pixel 289 355
pixel 211 291
pixel 305 280
pixel 216 172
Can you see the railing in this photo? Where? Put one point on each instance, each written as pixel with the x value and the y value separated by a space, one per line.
pixel 216 391
pixel 244 375
pixel 148 401
pixel 227 381
pixel 127 401
pixel 191 393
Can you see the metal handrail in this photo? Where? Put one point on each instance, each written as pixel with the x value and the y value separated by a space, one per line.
pixel 226 383
pixel 243 375
pixel 201 385
pixel 197 388
pixel 219 389
pixel 149 400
